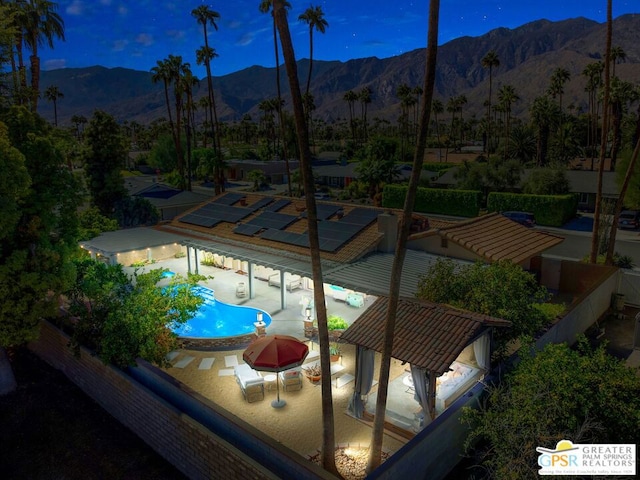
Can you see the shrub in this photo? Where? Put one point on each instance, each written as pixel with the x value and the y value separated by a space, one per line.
pixel 463 203
pixel 335 322
pixel 550 210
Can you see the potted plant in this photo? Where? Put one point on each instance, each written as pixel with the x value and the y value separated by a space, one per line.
pixel 334 351
pixel 336 325
pixel 313 373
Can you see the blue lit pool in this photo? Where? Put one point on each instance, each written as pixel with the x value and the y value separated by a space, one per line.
pixel 216 319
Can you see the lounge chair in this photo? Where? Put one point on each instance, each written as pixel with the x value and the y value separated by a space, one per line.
pixel 292 282
pixel 291 379
pixel 251 383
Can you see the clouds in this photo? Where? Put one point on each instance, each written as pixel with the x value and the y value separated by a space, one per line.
pixel 145 39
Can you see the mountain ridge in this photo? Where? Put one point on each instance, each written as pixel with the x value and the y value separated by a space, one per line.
pixel 528 55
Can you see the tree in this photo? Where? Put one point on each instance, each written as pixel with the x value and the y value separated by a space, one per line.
pixel 580 394
pixel 593 254
pixel 52 93
pixel 328 440
pixel 617 53
pixel 437 108
pixel 314 18
pixel 507 97
pixel 104 159
pixel 365 99
pixel 205 16
pixel 350 97
pixel 378 166
pixel 621 93
pixel 266 7
pixel 41 24
pixel 490 61
pixel 38 239
pixel 375 453
pixel 125 318
pixel 258 177
pixel 544 114
pixel 501 289
pixel 593 74
pixel 546 181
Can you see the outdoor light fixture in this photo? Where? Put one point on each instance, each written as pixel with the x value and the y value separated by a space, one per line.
pixel 259 318
pixel 307 313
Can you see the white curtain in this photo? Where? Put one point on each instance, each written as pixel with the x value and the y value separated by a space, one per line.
pixel 481 348
pixel 364 379
pixel 421 388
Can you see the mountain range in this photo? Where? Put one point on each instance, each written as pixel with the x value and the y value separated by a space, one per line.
pixel 528 56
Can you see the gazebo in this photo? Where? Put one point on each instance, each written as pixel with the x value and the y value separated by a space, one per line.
pixel 428 336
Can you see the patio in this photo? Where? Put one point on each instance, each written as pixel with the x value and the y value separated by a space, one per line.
pixel 298 425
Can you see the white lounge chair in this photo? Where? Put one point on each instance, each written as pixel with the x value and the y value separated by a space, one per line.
pixel 251 383
pixel 241 290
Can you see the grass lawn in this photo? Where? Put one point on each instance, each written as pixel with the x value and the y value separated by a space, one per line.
pixel 51 429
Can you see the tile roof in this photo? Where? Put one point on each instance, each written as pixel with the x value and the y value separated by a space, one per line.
pixel 427 335
pixel 495 237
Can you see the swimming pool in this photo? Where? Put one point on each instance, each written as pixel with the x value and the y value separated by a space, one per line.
pixel 216 319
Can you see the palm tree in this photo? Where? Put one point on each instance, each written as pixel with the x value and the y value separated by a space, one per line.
pixel 42 24
pixel 559 77
pixel 620 95
pixel 603 142
pixel 205 16
pixel 265 7
pixel 543 115
pixel 52 93
pixel 490 61
pixel 375 452
pixel 161 73
pixel 617 53
pixel 186 83
pixel 328 440
pixel 593 73
pixel 507 97
pixel 365 99
pixel 350 97
pixel 314 17
pixel 437 108
pixel 76 121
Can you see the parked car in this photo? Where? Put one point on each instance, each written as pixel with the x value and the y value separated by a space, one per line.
pixel 523 218
pixel 629 219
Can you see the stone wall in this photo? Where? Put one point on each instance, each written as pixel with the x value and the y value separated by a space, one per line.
pixel 154 411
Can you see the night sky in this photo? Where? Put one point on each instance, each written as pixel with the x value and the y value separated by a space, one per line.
pixel 136 33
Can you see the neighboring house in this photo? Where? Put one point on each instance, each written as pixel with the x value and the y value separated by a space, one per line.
pixel 274 170
pixel 169 201
pixel 340 176
pixel 582 182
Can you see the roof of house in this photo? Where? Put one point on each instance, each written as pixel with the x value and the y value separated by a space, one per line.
pixel 494 237
pixel 427 335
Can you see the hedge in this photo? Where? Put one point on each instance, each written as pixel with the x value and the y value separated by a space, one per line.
pixel 549 210
pixel 461 203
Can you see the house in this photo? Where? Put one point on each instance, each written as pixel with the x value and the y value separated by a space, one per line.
pixel 274 170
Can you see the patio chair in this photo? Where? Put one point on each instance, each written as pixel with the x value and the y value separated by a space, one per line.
pixel 251 383
pixel 241 290
pixel 291 379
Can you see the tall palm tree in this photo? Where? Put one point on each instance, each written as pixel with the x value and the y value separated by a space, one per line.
pixel 490 61
pixel 437 108
pixel 314 17
pixel 593 74
pixel 559 78
pixel 593 256
pixel 186 83
pixel 53 93
pixel 544 114
pixel 617 53
pixel 375 452
pixel 266 7
pixel 42 25
pixel 621 94
pixel 507 97
pixel 205 16
pixel 350 97
pixel 328 437
pixel 365 99
pixel 161 73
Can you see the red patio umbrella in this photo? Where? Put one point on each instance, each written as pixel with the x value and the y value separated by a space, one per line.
pixel 274 353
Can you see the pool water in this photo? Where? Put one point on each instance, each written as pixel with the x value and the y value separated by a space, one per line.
pixel 216 319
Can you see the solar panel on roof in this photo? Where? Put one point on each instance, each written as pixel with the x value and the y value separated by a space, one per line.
pixel 275 220
pixel 260 203
pixel 223 212
pixel 229 198
pixel 278 205
pixel 324 210
pixel 361 216
pixel 245 229
pixel 200 220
